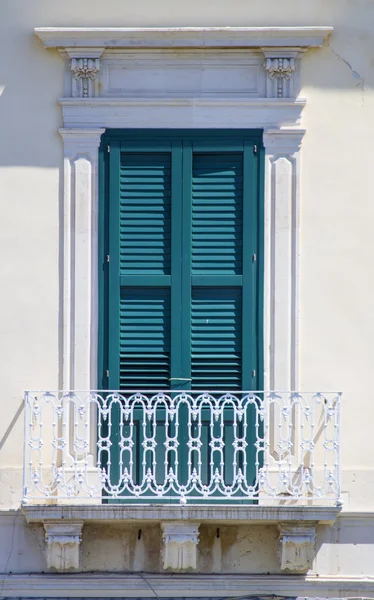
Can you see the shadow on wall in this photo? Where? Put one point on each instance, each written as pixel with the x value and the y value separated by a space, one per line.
pixel 12 424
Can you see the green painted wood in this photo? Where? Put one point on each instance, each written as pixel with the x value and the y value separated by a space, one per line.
pixel 217 213
pixel 103 251
pixel 114 266
pixel 136 280
pixel 216 338
pixel 144 326
pixel 249 269
pixel 113 307
pixel 145 265
pixel 180 218
pixel 216 280
pixel 176 272
pixel 145 213
pixel 186 233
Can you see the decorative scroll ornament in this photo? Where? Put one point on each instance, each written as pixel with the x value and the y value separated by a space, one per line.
pixel 85 76
pixel 281 70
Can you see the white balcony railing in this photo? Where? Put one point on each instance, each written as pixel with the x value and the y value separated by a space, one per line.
pixel 208 447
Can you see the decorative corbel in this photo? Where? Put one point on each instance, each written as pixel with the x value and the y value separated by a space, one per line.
pixel 62 545
pixel 180 542
pixel 297 547
pixel 85 71
pixel 281 69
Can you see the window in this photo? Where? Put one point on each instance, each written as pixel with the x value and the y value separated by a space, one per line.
pixel 180 294
pixel 181 276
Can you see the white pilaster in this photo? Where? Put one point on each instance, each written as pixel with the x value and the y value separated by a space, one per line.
pixel 80 258
pixel 282 157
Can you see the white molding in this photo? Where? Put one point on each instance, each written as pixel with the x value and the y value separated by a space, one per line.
pixel 282 201
pixel 182 113
pixel 80 257
pixel 85 119
pixel 147 585
pixel 251 514
pixel 182 37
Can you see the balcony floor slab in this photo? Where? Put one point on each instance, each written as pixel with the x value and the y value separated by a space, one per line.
pixel 254 514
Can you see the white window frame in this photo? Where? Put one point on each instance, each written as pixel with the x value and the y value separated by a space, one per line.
pixel 271 104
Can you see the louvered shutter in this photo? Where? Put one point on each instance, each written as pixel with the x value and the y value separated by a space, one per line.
pixel 139 286
pixel 181 285
pixel 180 289
pixel 217 258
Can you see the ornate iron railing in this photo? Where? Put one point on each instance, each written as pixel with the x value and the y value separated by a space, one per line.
pixel 178 446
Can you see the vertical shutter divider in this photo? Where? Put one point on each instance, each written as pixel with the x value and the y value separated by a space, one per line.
pixel 176 263
pixel 186 263
pixel 114 266
pixel 249 325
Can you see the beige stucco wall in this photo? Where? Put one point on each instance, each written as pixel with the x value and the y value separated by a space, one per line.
pixel 345 549
pixel 336 244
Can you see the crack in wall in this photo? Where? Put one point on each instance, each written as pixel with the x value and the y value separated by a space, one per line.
pixel 360 80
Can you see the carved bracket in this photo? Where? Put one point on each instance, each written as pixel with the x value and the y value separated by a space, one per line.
pixel 62 545
pixel 281 70
pixel 180 542
pixel 297 547
pixel 85 71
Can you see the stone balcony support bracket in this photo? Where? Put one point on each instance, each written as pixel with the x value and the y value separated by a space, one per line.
pixel 62 545
pixel 179 549
pixel 297 546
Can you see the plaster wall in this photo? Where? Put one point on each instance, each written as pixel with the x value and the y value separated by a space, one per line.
pixel 345 549
pixel 336 254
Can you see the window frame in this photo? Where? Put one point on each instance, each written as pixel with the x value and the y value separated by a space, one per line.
pixel 204 140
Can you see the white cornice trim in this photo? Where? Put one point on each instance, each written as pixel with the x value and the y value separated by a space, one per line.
pixel 193 586
pixel 182 37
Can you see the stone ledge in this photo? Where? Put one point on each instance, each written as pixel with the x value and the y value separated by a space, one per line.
pixel 218 514
pixel 182 37
pixel 173 585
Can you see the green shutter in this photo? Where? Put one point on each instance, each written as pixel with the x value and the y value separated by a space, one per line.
pixel 217 267
pixel 144 249
pixel 179 295
pixel 181 285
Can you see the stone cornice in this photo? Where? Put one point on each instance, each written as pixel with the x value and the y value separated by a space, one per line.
pixel 182 37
